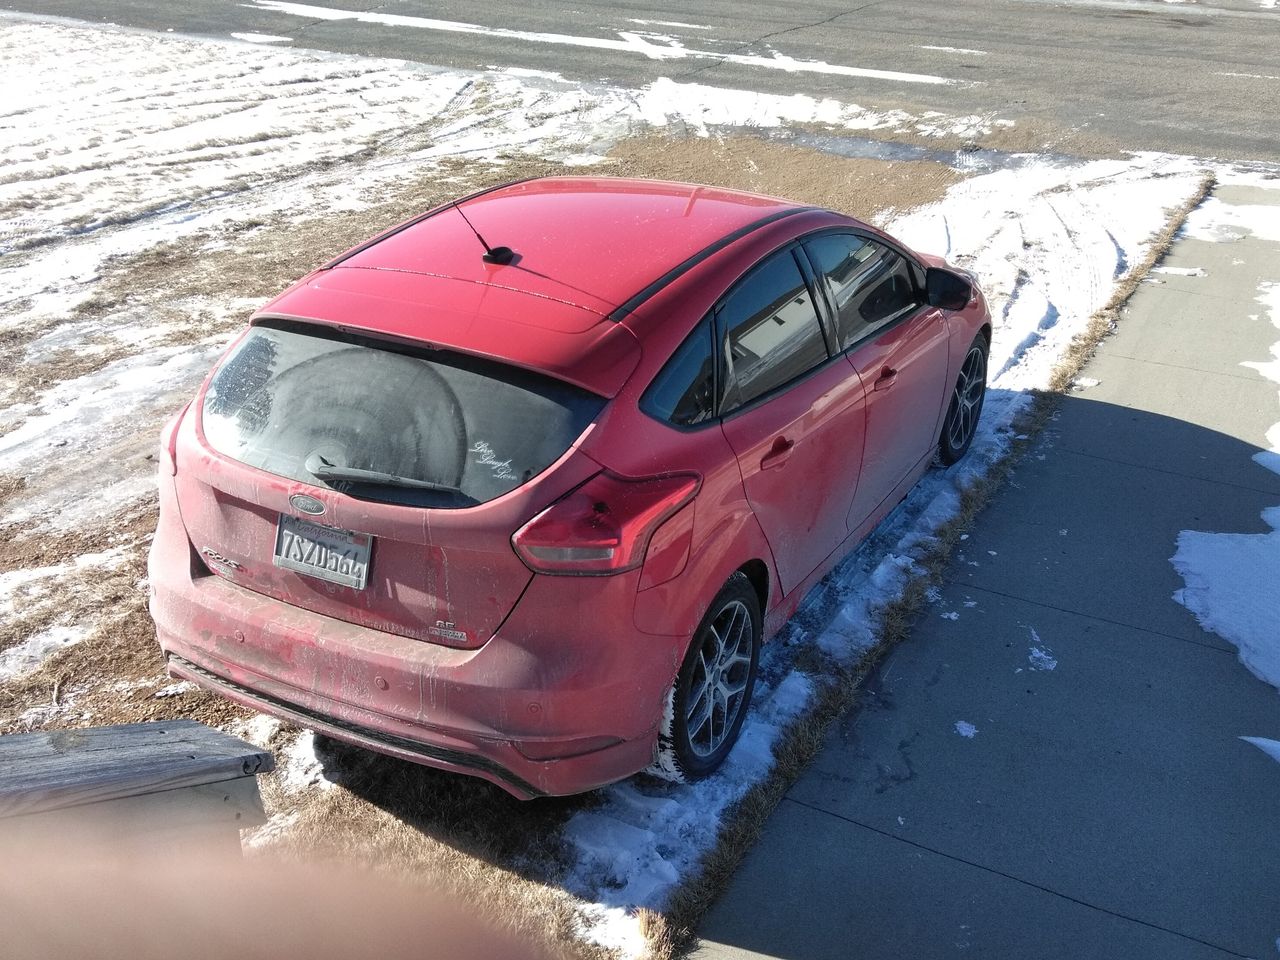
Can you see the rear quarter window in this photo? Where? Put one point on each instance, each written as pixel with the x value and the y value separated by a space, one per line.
pixel 292 393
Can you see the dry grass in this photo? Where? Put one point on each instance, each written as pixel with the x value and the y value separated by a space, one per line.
pixel 673 935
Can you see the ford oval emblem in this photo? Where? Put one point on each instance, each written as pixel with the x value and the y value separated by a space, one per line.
pixel 307 504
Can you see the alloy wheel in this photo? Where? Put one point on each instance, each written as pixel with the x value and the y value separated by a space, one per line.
pixel 966 401
pixel 721 675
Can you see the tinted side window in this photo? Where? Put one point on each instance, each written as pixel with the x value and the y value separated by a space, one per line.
pixel 870 284
pixel 683 392
pixel 770 330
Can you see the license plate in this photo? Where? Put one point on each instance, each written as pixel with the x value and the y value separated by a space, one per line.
pixel 329 553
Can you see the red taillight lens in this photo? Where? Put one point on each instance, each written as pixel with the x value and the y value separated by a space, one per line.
pixel 169 443
pixel 604 526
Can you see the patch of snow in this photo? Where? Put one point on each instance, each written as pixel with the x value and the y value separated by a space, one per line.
pixel 300 768
pixel 1041 658
pixel 951 615
pixel 1230 578
pixel 1048 241
pixel 1084 383
pixel 261 38
pixel 1270 747
pixel 24 657
pixel 31 583
pixel 669 48
pixel 1217 221
pixel 635 847
pixel 971 603
pixel 966 729
pixel 1231 583
pixel 277 825
pixel 176 689
pixel 1251 76
pixel 668 23
pixel 258 729
pixel 964 50
pixel 1181 271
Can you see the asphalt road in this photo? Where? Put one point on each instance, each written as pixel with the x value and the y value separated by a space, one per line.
pixel 1199 77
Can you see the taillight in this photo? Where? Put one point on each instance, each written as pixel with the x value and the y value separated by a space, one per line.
pixel 169 443
pixel 604 526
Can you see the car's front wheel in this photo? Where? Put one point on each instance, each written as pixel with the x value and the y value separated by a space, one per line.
pixel 961 424
pixel 708 702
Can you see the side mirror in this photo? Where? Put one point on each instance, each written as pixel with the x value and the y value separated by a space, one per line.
pixel 947 290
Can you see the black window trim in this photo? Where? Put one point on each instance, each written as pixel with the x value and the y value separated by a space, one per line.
pixel 819 290
pixel 706 328
pixel 828 304
pixel 800 259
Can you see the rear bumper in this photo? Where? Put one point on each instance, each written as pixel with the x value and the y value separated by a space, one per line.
pixel 565 697
pixel 460 759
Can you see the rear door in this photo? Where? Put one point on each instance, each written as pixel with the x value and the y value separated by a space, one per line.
pixel 376 483
pixel 898 345
pixel 792 413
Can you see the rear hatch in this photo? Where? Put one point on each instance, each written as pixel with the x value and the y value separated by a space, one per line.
pixel 375 482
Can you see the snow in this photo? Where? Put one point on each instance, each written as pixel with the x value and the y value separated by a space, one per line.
pixel 249 133
pixel 1231 583
pixel 636 846
pixel 255 132
pixel 1181 271
pixel 24 586
pixel 1216 220
pixel 1041 658
pixel 176 689
pixel 259 729
pixel 1231 578
pixel 668 23
pixel 1270 747
pixel 299 767
pixel 261 38
pixel 1048 241
pixel 667 48
pixel 30 653
pixel 964 50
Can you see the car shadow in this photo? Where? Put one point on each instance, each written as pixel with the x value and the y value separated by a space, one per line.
pixel 1091 451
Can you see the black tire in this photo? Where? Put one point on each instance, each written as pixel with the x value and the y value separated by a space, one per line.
pixel 961 423
pixel 690 750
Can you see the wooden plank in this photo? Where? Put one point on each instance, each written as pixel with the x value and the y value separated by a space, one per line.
pixel 51 770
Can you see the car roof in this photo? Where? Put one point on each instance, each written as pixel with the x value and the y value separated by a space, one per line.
pixel 588 249
pixel 590 241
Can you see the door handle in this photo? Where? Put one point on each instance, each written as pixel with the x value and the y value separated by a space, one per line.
pixel 777 454
pixel 886 378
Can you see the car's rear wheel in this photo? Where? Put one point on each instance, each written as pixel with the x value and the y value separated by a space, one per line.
pixel 709 700
pixel 961 424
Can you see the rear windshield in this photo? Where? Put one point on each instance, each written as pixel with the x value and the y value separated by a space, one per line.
pixel 329 408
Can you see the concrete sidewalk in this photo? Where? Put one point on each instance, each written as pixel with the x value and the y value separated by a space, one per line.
pixel 1056 772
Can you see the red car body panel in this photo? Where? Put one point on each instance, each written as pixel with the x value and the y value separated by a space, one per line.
pixel 457 653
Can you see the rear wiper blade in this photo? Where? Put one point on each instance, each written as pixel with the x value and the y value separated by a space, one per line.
pixel 322 469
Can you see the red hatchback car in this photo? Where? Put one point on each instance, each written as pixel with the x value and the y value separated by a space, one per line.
pixel 528 512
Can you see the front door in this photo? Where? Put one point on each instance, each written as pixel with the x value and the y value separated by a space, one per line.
pixel 898 346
